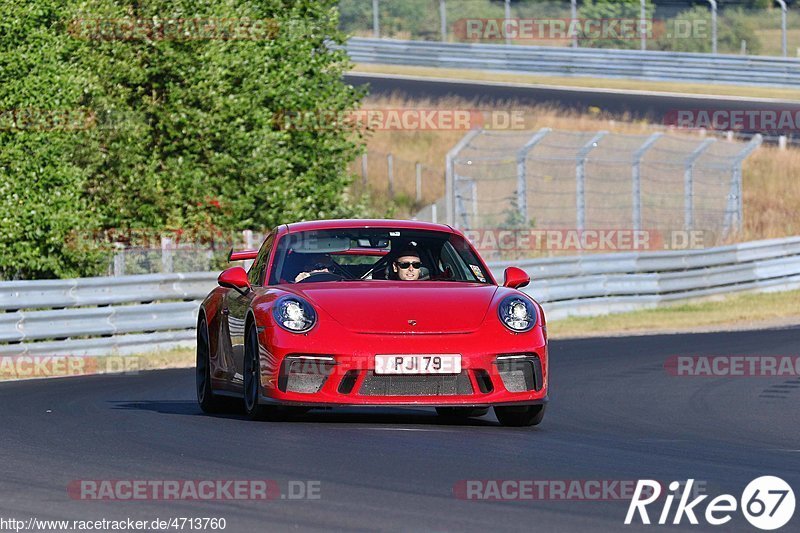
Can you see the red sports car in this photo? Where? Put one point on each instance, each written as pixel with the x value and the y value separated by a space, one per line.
pixel 372 313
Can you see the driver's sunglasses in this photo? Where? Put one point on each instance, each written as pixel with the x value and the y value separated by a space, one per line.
pixel 405 264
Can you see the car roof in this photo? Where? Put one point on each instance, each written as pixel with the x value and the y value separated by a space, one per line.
pixel 347 223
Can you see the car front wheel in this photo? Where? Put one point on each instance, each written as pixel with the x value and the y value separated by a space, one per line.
pixel 524 415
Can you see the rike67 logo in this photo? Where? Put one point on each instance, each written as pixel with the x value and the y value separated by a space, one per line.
pixel 767 503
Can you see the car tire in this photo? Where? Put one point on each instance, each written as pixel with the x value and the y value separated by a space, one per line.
pixel 252 389
pixel 461 412
pixel 252 376
pixel 516 416
pixel 208 401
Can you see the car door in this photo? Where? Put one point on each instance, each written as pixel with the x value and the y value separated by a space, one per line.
pixel 236 305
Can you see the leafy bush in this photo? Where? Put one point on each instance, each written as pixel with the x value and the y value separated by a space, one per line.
pixel 733 26
pixel 180 124
pixel 609 10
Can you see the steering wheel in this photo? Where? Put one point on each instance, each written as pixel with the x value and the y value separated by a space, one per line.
pixel 322 276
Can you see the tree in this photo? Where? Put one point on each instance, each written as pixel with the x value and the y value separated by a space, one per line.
pixel 183 122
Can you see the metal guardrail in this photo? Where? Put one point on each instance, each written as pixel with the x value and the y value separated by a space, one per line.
pixel 634 64
pixel 97 316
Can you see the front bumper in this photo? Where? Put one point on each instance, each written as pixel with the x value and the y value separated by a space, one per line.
pixel 330 367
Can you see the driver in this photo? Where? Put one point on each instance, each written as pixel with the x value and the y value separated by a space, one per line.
pixel 317 264
pixel 407 265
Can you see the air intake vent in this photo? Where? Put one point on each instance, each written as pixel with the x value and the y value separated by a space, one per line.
pixel 520 373
pixel 304 374
pixel 416 385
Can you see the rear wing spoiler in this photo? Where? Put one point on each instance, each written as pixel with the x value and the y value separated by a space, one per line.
pixel 242 255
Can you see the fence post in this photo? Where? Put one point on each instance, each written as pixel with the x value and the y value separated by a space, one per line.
pixel 443 19
pixel 733 212
pixel 248 245
pixel 688 183
pixel 522 171
pixel 166 255
pixel 418 170
pixel 573 10
pixel 507 13
pixel 390 170
pixel 433 213
pixel 580 179
pixel 364 170
pixel 713 26
pixel 783 27
pixel 376 24
pixel 119 259
pixel 636 171
pixel 450 175
pixel 642 25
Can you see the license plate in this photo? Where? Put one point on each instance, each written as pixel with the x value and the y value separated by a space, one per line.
pixel 418 364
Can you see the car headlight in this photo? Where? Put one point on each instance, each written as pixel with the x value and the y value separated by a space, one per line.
pixel 294 314
pixel 517 313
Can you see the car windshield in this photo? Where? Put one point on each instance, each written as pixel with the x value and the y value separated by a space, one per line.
pixel 353 254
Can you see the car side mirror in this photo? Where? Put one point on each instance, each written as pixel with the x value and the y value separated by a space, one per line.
pixel 515 278
pixel 235 278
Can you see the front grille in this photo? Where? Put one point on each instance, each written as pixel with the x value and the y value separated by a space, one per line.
pixel 415 385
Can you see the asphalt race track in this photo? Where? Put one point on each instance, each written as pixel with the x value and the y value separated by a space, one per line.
pixel 637 104
pixel 616 414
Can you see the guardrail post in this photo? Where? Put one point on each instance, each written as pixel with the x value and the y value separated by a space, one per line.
pixel 450 177
pixel 166 254
pixel 688 183
pixel 733 211
pixel 522 174
pixel 580 180
pixel 636 175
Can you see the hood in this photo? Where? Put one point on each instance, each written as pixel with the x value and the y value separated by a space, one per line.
pixel 388 307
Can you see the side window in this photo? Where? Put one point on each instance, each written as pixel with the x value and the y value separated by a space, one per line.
pixel 256 273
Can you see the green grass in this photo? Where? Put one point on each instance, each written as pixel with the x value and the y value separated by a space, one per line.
pixel 739 311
